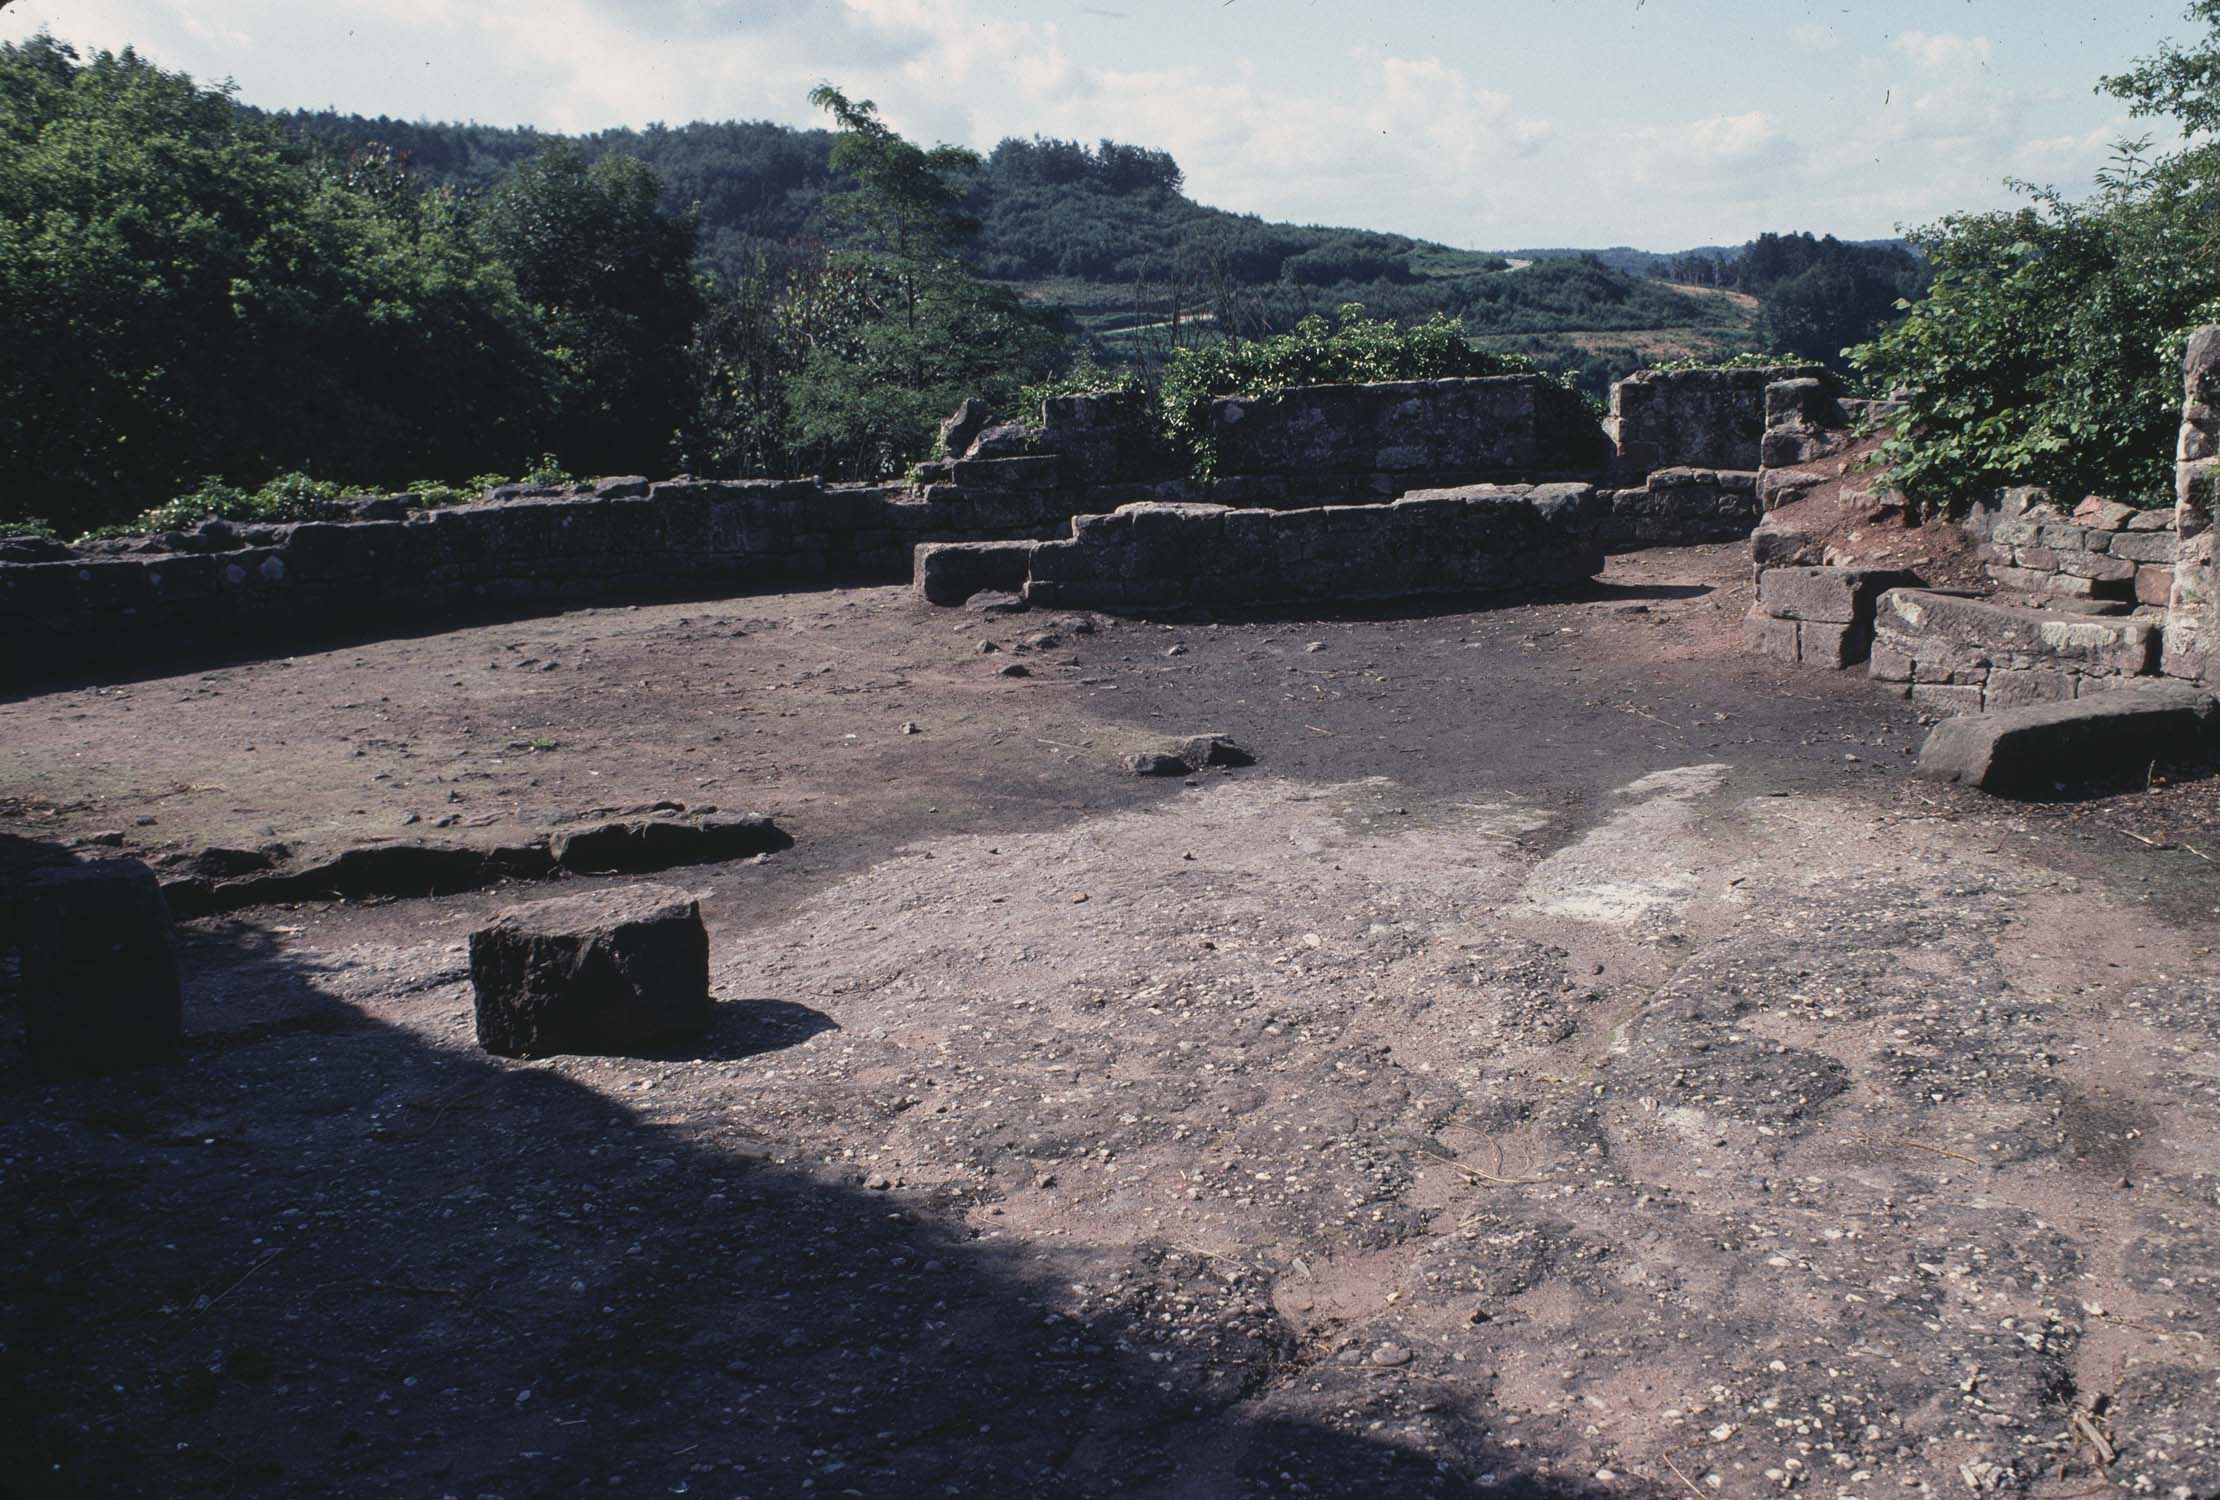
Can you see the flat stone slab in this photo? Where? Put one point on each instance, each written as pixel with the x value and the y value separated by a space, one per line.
pixel 2032 750
pixel 640 845
pixel 604 972
pixel 100 989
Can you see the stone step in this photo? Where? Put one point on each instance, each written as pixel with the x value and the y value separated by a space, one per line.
pixel 1965 654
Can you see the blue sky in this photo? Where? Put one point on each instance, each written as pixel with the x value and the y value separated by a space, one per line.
pixel 1485 123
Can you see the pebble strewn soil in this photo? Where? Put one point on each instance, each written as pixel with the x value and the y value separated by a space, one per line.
pixel 1574 1060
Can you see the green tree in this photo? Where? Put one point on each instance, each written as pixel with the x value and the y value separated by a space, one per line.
pixel 611 281
pixel 887 334
pixel 182 297
pixel 2047 350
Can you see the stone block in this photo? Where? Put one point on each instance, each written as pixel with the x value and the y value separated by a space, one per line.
pixel 2097 567
pixel 1828 643
pixel 1830 595
pixel 951 572
pixel 2030 751
pixel 2144 546
pixel 1887 664
pixel 1935 626
pixel 1766 636
pixel 1947 698
pixel 2154 585
pixel 2100 514
pixel 2014 689
pixel 99 971
pixel 1778 547
pixel 637 845
pixel 605 972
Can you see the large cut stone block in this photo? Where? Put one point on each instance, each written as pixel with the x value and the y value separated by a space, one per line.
pixel 604 972
pixel 1837 596
pixel 100 985
pixel 951 572
pixel 2029 751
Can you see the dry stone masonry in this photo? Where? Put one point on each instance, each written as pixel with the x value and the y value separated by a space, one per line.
pixel 1160 556
pixel 2102 554
pixel 1818 615
pixel 1685 471
pixel 1966 655
pixel 1705 419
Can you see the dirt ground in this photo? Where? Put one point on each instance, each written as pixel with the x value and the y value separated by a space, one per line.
pixel 1575 1060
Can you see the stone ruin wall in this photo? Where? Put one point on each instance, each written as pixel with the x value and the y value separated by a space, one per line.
pixel 2088 599
pixel 1167 556
pixel 63 609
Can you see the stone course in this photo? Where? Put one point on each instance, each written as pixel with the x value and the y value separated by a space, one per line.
pixel 1682 508
pixel 1471 539
pixel 382 559
pixel 532 547
pixel 1968 655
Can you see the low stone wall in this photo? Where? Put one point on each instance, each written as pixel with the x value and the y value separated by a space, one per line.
pixel 1161 556
pixel 1433 431
pixel 1682 508
pixel 1702 419
pixel 1966 655
pixel 623 538
pixel 2102 553
pixel 1822 617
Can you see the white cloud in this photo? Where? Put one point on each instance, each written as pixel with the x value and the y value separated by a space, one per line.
pixel 1945 51
pixel 1738 156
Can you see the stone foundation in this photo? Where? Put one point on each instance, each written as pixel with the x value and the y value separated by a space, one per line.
pixel 1966 655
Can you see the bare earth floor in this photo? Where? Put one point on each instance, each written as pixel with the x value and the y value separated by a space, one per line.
pixel 1575 1060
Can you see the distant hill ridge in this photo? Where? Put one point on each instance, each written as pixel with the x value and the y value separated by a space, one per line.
pixel 1109 233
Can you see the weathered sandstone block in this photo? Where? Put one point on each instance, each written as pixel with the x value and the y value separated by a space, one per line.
pixel 597 973
pixel 100 988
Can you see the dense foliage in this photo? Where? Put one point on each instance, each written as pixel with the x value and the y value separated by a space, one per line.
pixel 848 365
pixel 1104 231
pixel 2047 352
pixel 181 297
pixel 194 288
pixel 187 293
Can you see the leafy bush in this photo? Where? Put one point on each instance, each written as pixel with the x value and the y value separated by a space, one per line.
pixel 1747 359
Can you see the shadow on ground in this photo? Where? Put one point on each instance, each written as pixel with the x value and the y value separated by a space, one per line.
pixel 329 1255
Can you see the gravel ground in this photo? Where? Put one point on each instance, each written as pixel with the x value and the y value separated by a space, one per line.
pixel 1575 1060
